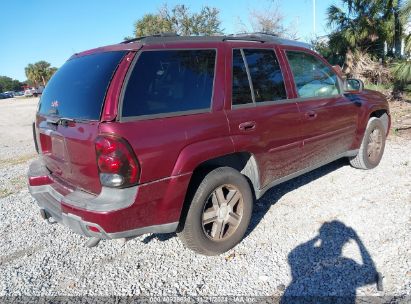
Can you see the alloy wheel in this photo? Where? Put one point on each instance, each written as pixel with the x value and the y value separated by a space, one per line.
pixel 222 212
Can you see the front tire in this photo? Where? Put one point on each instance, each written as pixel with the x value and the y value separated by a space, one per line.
pixel 372 146
pixel 219 213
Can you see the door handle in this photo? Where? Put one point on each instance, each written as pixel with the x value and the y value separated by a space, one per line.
pixel 247 126
pixel 310 115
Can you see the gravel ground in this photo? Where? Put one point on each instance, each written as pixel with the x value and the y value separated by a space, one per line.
pixel 324 233
pixel 16 136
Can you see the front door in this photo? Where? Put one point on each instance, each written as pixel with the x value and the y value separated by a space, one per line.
pixel 329 119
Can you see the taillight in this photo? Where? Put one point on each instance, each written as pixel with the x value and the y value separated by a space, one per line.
pixel 116 161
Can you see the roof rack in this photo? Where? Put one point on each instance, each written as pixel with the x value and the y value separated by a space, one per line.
pixel 255 37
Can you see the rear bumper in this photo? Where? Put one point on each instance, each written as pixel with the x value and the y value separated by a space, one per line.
pixel 114 213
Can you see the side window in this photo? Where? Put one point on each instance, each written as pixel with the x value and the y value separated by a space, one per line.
pixel 241 86
pixel 170 81
pixel 265 72
pixel 312 77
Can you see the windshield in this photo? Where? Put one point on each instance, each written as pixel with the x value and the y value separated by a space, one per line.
pixel 78 88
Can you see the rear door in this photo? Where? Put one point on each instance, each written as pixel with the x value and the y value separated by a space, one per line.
pixel 329 119
pixel 68 117
pixel 262 120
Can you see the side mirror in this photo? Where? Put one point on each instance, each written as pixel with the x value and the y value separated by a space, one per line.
pixel 353 85
pixel 338 69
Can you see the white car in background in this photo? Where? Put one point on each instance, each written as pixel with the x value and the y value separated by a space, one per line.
pixel 33 91
pixel 29 92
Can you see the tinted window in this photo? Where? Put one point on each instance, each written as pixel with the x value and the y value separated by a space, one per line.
pixel 170 81
pixel 241 86
pixel 268 83
pixel 78 88
pixel 312 77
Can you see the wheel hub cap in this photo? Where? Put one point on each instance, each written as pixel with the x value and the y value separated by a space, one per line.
pixel 222 212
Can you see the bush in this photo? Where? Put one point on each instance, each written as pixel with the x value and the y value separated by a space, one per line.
pixel 370 71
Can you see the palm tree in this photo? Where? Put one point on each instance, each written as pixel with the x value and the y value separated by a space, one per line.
pixel 30 72
pixel 39 72
pixel 364 25
pixel 402 69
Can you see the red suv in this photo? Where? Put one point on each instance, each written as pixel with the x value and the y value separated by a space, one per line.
pixel 182 134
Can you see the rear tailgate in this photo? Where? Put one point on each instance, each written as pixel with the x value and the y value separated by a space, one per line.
pixel 67 121
pixel 69 153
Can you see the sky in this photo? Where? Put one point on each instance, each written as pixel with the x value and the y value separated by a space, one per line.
pixel 50 30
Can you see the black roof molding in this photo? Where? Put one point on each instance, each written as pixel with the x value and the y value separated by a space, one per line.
pixel 167 34
pixel 261 37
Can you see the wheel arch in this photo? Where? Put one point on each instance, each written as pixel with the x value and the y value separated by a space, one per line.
pixel 383 115
pixel 377 112
pixel 244 162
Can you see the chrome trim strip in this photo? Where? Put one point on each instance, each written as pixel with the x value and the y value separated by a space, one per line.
pixel 164 115
pixel 274 102
pixel 262 104
pixel 315 98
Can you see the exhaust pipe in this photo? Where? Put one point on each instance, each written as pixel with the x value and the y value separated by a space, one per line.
pixel 93 242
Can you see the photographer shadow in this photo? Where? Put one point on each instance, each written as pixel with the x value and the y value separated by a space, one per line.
pixel 321 274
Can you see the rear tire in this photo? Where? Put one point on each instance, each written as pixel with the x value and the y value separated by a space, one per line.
pixel 372 146
pixel 219 213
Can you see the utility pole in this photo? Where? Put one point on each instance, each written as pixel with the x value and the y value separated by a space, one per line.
pixel 314 17
pixel 397 30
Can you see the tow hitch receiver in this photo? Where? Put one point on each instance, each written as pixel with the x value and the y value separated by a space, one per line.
pixel 44 214
pixel 47 216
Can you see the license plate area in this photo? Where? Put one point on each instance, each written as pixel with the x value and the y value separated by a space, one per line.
pixel 54 152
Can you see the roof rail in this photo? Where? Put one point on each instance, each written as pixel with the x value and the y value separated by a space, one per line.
pixel 269 37
pixel 166 34
pixel 256 36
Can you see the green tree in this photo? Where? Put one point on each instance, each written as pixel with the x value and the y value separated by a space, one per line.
pixel 151 24
pixel 365 25
pixel 402 68
pixel 9 84
pixel 39 72
pixel 180 20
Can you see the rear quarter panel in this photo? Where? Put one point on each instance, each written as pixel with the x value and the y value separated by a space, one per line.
pixel 160 144
pixel 171 146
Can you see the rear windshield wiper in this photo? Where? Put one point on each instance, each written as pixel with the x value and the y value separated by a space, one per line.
pixel 64 121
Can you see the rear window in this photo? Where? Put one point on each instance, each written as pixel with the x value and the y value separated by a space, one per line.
pixel 170 81
pixel 78 88
pixel 265 72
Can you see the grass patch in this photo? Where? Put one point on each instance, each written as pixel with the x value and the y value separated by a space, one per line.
pixel 13 186
pixel 5 192
pixel 17 160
